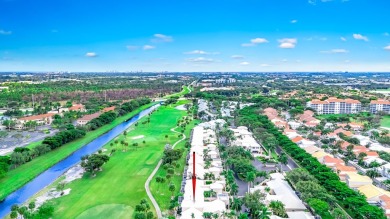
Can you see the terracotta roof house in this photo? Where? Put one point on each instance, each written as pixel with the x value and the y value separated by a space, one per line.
pixel 77 107
pixel 108 109
pixel 85 119
pixel 331 161
pixel 342 170
pixel 297 139
pixel 43 119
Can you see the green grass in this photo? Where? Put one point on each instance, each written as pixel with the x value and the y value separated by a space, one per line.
pixel 120 186
pixel 160 191
pixel 184 91
pixel 385 122
pixel 18 177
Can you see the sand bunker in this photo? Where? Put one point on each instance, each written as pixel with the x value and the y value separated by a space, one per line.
pixel 138 137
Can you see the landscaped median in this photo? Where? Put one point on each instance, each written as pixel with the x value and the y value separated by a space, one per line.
pixel 18 177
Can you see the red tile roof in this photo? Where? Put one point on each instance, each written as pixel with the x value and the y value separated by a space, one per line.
pixel 380 101
pixel 107 109
pixel 36 117
pixel 297 139
pixel 76 107
pixel 90 116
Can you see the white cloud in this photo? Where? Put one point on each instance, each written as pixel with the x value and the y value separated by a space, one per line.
pixel 386 34
pixel 200 60
pixel 265 65
pixel 148 47
pixel 201 52
pixel 284 60
pixel 259 40
pixel 3 32
pixel 244 63
pixel 54 31
pixel 360 37
pixel 387 48
pixel 91 54
pixel 254 42
pixel 343 39
pixel 347 61
pixel 335 51
pixel 158 38
pixel 130 47
pixel 237 57
pixel 288 43
pixel 294 21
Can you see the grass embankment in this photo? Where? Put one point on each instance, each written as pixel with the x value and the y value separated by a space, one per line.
pixel 161 191
pixel 18 177
pixel 116 190
pixel 385 122
pixel 184 91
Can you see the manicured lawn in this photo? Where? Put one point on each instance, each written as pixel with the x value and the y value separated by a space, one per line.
pixel 16 178
pixel 385 122
pixel 185 90
pixel 120 186
pixel 160 191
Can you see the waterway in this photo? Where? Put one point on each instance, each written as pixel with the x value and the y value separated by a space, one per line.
pixel 50 175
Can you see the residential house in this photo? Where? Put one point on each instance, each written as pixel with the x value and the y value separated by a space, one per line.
pixel 85 119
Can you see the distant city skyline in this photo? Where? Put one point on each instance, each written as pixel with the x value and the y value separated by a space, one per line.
pixel 189 36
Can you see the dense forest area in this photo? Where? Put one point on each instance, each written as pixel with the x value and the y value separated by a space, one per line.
pixel 22 94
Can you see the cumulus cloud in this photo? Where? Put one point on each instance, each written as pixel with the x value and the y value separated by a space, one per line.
pixel 259 40
pixel 237 57
pixel 360 37
pixel 335 51
pixel 148 47
pixel 200 60
pixel 3 32
pixel 387 48
pixel 343 39
pixel 254 42
pixel 244 63
pixel 161 38
pixel 91 54
pixel 294 21
pixel 288 43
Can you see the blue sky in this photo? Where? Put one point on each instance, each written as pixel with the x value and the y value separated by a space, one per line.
pixel 202 35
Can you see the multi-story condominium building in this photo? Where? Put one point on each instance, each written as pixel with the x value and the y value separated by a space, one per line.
pixel 380 106
pixel 335 106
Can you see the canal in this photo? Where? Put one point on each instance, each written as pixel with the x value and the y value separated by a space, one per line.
pixel 50 175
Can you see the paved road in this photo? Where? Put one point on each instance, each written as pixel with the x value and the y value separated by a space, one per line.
pixel 154 202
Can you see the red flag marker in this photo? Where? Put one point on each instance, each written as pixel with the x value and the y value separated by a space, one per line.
pixel 193 176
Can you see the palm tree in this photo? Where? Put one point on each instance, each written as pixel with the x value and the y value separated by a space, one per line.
pixel 236 204
pixel 283 160
pixel 250 177
pixel 263 213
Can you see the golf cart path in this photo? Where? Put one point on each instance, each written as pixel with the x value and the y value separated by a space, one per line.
pixel 158 210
